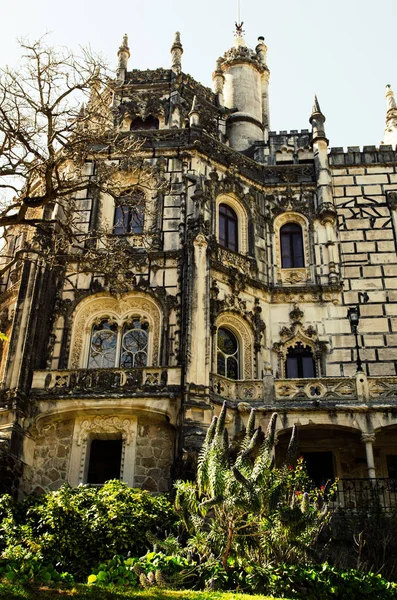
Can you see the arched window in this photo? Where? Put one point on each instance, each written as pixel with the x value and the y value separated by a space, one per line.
pixel 119 345
pixel 227 354
pixel 300 362
pixel 291 241
pixel 139 124
pixel 228 227
pixel 129 216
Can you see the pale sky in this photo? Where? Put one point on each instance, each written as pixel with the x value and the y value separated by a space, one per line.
pixel 344 50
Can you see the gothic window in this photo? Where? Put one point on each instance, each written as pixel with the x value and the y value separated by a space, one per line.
pixel 112 345
pixel 129 216
pixel 291 241
pixel 227 354
pixel 139 124
pixel 105 460
pixel 228 227
pixel 300 362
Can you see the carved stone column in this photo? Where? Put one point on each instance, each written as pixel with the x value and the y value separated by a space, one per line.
pixel 369 440
pixel 198 367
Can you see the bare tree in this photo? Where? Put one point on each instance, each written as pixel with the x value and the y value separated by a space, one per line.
pixel 56 113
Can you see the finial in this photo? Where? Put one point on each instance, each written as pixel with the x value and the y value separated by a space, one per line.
pixel 391 102
pixel 316 106
pixel 176 52
pixel 124 43
pixel 317 121
pixel 390 136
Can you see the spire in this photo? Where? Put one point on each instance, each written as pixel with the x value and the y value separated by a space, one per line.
pixel 317 120
pixel 176 53
pixel 390 136
pixel 123 56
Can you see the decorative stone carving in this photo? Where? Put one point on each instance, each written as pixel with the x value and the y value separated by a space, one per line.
pixel 104 425
pixel 297 333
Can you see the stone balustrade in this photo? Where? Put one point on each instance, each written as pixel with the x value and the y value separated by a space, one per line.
pixel 342 389
pixel 76 381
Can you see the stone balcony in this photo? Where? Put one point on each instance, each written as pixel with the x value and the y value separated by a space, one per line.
pixel 341 389
pixel 152 380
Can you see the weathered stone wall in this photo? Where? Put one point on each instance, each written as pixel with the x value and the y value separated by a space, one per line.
pixel 51 457
pixel 367 234
pixel 154 455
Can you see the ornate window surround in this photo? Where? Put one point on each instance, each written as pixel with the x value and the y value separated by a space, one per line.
pixel 290 336
pixel 245 338
pixel 242 220
pixel 103 427
pixel 102 306
pixel 295 275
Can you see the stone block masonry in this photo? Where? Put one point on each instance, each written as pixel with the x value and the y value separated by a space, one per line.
pixel 367 237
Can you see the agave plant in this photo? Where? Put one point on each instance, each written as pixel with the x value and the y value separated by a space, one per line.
pixel 245 507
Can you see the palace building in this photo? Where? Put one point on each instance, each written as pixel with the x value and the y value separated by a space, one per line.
pixel 242 255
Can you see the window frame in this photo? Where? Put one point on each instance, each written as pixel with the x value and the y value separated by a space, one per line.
pixel 236 356
pixel 306 352
pixel 228 217
pixel 288 246
pixel 132 220
pixel 119 326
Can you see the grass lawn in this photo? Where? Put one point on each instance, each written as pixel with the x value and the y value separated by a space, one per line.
pixel 84 592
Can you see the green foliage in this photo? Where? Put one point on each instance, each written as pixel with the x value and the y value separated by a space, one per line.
pixel 247 508
pixel 76 528
pixel 153 569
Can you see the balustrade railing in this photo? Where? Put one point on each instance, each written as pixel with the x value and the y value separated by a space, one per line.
pixel 105 380
pixel 342 389
pixel 366 495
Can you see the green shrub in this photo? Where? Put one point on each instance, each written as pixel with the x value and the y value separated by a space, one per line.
pixel 153 569
pixel 76 528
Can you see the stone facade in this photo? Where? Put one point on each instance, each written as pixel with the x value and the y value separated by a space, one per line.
pixel 259 238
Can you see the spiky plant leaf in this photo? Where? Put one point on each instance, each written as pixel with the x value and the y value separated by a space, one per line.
pixel 221 421
pixel 292 447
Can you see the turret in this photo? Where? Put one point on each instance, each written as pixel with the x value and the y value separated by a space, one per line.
pixel 176 53
pixel 123 56
pixel 390 136
pixel 326 212
pixel 219 82
pixel 245 91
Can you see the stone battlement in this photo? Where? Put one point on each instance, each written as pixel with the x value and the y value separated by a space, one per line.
pixel 366 156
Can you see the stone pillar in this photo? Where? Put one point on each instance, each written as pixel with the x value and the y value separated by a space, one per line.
pixel 327 214
pixel 198 367
pixel 369 440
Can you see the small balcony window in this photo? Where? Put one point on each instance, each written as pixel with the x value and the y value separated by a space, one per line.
pixel 300 362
